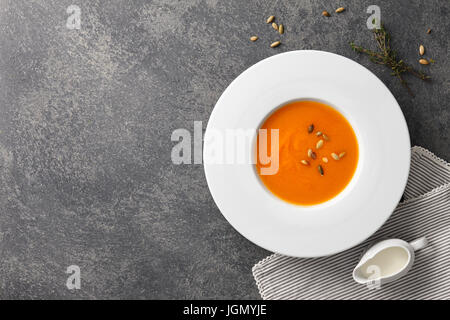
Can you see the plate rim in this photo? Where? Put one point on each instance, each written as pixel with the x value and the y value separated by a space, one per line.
pixel 403 183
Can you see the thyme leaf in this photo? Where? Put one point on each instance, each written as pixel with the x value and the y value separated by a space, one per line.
pixel 385 55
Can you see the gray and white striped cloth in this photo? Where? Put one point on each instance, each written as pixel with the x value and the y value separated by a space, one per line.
pixel 424 212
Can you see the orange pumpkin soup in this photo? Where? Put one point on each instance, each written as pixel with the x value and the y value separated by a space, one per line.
pixel 318 153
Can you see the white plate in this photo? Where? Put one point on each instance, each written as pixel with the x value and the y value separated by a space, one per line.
pixel 380 177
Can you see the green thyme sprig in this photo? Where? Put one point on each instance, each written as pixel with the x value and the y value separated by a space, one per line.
pixel 388 57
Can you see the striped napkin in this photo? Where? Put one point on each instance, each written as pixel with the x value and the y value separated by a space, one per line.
pixel 424 212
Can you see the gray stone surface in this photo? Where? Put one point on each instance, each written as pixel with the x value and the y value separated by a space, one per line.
pixel 86 119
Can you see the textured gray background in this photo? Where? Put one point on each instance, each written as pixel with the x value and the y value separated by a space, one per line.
pixel 86 119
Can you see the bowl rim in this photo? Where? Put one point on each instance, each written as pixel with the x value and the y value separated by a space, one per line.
pixel 405 149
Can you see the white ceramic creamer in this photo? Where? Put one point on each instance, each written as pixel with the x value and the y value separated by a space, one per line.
pixel 386 261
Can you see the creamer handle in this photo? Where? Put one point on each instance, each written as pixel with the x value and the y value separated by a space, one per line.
pixel 419 243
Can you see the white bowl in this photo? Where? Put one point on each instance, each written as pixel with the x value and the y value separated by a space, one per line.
pixel 376 187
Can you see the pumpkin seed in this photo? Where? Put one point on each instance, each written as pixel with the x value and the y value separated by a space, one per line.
pixel 325 13
pixel 339 10
pixel 310 128
pixel 421 50
pixel 275 26
pixel 342 154
pixel 424 61
pixel 270 19
pixel 325 159
pixel 428 31
pixel 319 133
pixel 281 29
pixel 254 38
pixel 312 154
pixel 275 44
pixel 325 137
pixel 335 156
pixel 319 167
pixel 305 162
pixel 319 144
